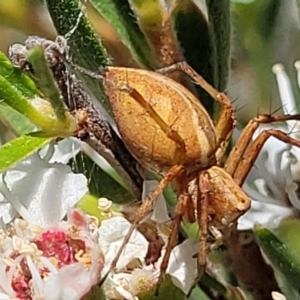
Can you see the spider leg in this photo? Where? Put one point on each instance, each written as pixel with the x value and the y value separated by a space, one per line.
pixel 252 152
pixel 202 212
pixel 218 235
pixel 143 210
pixel 226 121
pixel 180 209
pixel 245 152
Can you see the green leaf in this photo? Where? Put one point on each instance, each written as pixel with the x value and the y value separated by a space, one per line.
pixel 20 93
pixel 219 24
pixel 89 205
pixel 288 232
pixel 101 184
pixel 24 84
pixel 14 98
pixel 96 293
pixel 85 47
pixel 18 149
pixel 119 14
pixel 285 286
pixel 267 17
pixel 45 81
pixel 15 121
pixel 197 294
pixel 150 12
pixel 280 255
pixel 37 110
pixel 189 19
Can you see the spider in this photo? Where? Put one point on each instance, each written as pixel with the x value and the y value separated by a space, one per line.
pixel 168 131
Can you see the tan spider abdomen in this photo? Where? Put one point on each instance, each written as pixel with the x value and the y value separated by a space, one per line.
pixel 174 104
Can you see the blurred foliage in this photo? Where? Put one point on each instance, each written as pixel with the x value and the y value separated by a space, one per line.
pixel 261 36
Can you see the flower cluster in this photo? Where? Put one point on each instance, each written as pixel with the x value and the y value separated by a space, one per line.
pixel 44 255
pixel 38 261
pixel 41 255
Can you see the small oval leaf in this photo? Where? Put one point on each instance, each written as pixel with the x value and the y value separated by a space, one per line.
pixel 279 254
pixel 18 149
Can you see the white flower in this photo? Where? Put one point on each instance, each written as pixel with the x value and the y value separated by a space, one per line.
pixel 276 169
pixel 50 263
pixel 183 265
pixel 41 256
pixel 111 234
pixel 126 284
pixel 39 186
pixel 62 151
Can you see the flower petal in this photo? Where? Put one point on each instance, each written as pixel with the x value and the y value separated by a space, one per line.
pixel 65 150
pixel 111 235
pixel 115 284
pixel 267 214
pixel 183 265
pixel 160 211
pixel 72 282
pixel 41 186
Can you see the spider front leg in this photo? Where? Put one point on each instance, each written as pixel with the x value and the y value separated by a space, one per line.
pixel 218 235
pixel 202 213
pixel 221 202
pixel 251 154
pixel 245 152
pixel 203 191
pixel 180 209
pixel 207 189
